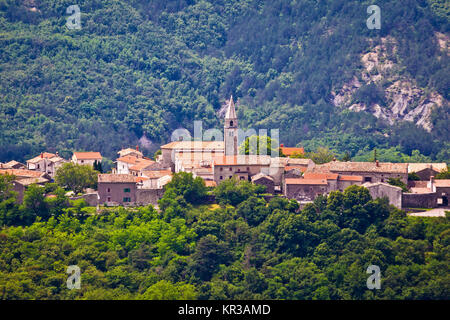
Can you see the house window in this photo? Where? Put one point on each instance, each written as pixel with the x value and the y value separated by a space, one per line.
pixel 221 169
pixel 82 161
pixel 126 190
pixel 231 177
pixel 109 189
pixel 367 179
pixel 239 170
pixel 242 178
pixel 126 199
pixel 248 169
pixel 109 199
pixel 221 178
pixel 231 123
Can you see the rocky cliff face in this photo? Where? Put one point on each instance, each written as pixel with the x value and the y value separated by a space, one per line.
pixel 404 100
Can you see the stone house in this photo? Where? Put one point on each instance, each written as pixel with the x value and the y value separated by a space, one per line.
pixel 242 167
pixel 46 162
pixel 13 165
pixel 380 190
pixel 22 184
pixel 24 173
pixel 265 180
pixel 86 158
pixel 130 152
pixel 426 170
pixel 370 171
pixel 302 189
pixel 114 189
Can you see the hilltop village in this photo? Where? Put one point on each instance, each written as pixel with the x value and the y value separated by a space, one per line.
pixel 138 180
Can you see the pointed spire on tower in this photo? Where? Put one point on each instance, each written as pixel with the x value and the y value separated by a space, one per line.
pixel 231 111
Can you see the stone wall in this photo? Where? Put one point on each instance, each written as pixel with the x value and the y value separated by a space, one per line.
pixel 381 190
pixel 148 196
pixel 90 198
pixel 419 200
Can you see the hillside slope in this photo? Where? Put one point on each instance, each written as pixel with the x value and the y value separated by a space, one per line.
pixel 137 70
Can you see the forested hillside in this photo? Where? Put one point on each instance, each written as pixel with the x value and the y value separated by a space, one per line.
pixel 137 70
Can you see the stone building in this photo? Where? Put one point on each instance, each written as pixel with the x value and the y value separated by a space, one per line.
pixel 13 165
pixel 381 190
pixel 426 170
pixel 130 152
pixel 241 166
pixel 302 189
pixel 114 189
pixel 46 162
pixel 265 180
pixel 22 184
pixel 370 171
pixel 86 158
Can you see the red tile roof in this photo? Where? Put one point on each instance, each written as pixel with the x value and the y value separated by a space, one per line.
pixel 46 155
pixel 153 174
pixel 442 183
pixel 298 167
pixel 141 179
pixel 242 160
pixel 128 159
pixel 210 183
pixel 306 181
pixel 116 178
pixel 88 155
pixel 338 166
pixel 350 178
pixel 28 181
pixel 22 173
pixel 289 151
pixel 142 164
pixel 322 176
pixel 189 145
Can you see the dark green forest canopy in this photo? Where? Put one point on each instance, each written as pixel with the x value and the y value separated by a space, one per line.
pixel 144 68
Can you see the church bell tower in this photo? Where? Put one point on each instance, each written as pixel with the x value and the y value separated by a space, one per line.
pixel 231 130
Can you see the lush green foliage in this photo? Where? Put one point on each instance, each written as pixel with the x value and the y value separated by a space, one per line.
pixel 443 175
pixel 139 69
pixel 259 145
pixel 39 203
pixel 76 177
pixel 398 183
pixel 252 250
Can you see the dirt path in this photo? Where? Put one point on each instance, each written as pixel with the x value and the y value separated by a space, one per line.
pixel 438 212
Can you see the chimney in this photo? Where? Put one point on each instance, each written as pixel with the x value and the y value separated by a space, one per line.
pixel 42 155
pixel 377 163
pixel 57 153
pixel 281 145
pixel 432 183
pixel 137 148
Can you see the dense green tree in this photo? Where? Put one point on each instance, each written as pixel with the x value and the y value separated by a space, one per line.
pixel 76 177
pixel 321 155
pixel 34 201
pixel 445 174
pixel 233 191
pixel 398 183
pixel 193 190
pixel 254 145
pixel 210 252
pixel 9 210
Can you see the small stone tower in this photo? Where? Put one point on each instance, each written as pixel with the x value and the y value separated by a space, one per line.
pixel 231 130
